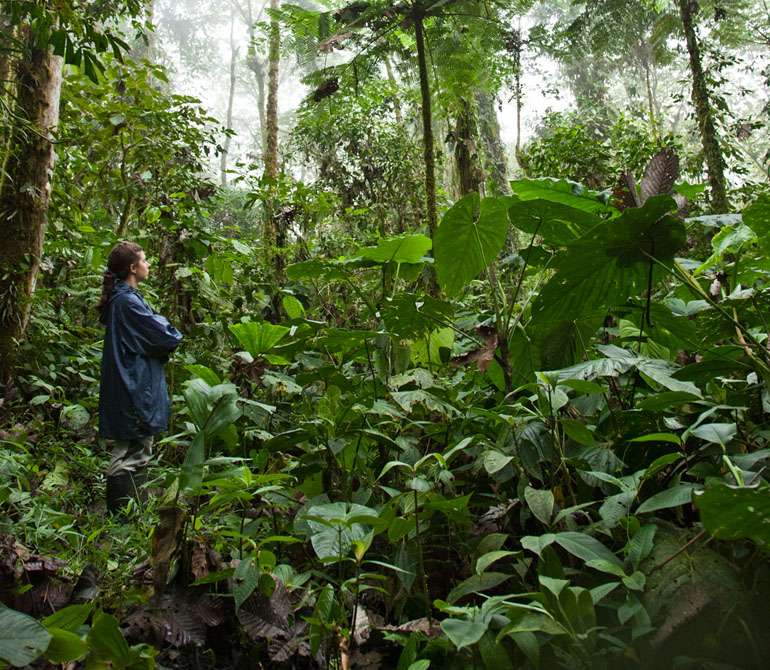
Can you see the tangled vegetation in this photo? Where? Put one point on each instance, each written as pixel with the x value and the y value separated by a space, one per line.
pixel 533 435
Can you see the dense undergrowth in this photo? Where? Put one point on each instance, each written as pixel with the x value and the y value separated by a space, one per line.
pixel 534 437
pixel 371 476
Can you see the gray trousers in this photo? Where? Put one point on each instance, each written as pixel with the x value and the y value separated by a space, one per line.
pixel 129 456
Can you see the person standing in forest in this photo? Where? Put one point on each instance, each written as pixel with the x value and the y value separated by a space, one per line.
pixel 133 398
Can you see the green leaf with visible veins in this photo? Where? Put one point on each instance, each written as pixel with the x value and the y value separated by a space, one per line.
pixel 471 235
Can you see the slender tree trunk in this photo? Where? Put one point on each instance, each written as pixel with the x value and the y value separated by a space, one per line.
pixel 274 54
pixel 427 127
pixel 24 200
pixel 231 96
pixel 272 235
pixel 152 40
pixel 495 162
pixel 466 150
pixel 700 99
pixel 257 66
pixel 643 54
pixel 394 84
pixel 6 92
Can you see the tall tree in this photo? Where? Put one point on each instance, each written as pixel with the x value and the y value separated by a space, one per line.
pixel 43 27
pixel 256 64
pixel 466 149
pixel 25 196
pixel 230 99
pixel 494 160
pixel 700 98
pixel 418 17
pixel 272 235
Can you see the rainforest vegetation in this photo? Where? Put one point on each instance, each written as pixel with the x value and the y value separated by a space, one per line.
pixel 475 299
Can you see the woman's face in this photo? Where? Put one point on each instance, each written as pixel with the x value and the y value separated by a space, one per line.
pixel 141 268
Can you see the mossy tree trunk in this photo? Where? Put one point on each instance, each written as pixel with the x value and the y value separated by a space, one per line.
pixel 466 149
pixel 26 193
pixel 271 235
pixel 494 159
pixel 700 98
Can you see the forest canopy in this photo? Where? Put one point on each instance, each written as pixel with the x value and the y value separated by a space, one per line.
pixel 473 307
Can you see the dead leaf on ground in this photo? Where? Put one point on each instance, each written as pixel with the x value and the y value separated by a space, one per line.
pixel 429 628
pixel 180 617
pixel 165 542
pixel 266 617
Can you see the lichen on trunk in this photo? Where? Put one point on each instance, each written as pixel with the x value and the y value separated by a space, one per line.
pixel 25 196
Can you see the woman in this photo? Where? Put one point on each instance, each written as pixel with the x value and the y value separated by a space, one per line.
pixel 133 399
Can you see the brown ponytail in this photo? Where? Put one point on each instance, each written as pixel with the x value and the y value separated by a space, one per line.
pixel 122 256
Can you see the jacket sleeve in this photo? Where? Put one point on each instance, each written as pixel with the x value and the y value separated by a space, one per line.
pixel 157 337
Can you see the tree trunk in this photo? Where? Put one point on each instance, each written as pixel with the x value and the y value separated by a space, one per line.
pixel 427 127
pixel 271 234
pixel 394 84
pixel 495 162
pixel 231 96
pixel 257 67
pixel 271 120
pixel 6 92
pixel 24 200
pixel 644 58
pixel 700 99
pixel 466 150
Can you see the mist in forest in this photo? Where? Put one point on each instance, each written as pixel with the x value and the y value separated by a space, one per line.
pixel 203 42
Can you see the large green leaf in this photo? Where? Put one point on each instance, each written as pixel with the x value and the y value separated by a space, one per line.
pixel 65 646
pixel 316 269
pixel 600 271
pixel 585 547
pixel 400 249
pixel 477 584
pixel 554 222
pixel 730 513
pixel 333 530
pixel 757 217
pixel 258 337
pixel 562 191
pixel 22 638
pixel 677 495
pixel 471 235
pixel 225 413
pixel 69 618
pixel 464 633
pixel 192 469
pixel 107 643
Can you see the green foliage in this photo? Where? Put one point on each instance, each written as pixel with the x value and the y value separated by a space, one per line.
pixel 589 149
pixel 555 460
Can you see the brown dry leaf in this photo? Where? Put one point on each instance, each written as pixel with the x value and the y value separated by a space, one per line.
pixel 661 174
pixel 370 660
pixel 624 194
pixel 484 355
pixel 429 628
pixel 327 88
pixel 263 617
pixel 50 590
pixel 199 560
pixel 490 521
pixel 295 644
pixel 180 617
pixel 165 542
pixel 333 42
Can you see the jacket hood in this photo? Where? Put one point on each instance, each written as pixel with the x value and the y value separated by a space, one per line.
pixel 119 289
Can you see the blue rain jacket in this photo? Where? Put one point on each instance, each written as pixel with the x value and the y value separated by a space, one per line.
pixel 133 398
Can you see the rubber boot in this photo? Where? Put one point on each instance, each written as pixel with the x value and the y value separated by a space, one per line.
pixel 123 487
pixel 120 488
